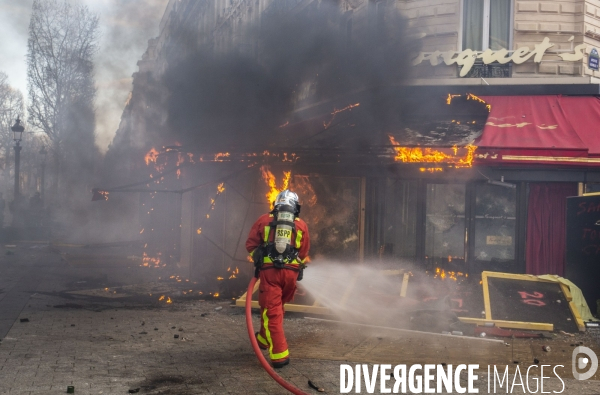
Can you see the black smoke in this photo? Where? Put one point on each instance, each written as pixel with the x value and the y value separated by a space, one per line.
pixel 237 98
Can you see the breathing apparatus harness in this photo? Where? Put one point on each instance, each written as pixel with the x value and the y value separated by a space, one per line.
pixel 279 247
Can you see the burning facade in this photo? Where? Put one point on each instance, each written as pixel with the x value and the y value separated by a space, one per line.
pixel 420 145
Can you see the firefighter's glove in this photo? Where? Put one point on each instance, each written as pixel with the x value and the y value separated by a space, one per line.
pixel 258 256
pixel 301 268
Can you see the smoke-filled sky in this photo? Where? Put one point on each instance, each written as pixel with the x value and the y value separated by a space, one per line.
pixel 125 27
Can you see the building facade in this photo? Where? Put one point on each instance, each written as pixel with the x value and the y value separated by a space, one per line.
pixel 496 130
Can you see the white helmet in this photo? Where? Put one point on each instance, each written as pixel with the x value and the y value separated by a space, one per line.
pixel 287 197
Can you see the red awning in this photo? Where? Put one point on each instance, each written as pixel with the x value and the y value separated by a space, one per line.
pixel 541 130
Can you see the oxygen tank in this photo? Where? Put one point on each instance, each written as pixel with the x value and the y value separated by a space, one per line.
pixel 283 231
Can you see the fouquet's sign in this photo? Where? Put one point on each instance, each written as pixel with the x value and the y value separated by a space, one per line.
pixel 467 58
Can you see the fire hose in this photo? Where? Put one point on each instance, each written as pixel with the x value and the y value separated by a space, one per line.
pixel 261 358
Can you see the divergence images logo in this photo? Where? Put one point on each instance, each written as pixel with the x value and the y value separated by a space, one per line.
pixel 583 362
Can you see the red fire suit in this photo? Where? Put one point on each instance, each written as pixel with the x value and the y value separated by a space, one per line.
pixel 277 286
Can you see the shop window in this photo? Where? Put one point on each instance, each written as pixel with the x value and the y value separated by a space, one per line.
pixel 495 223
pixel 399 220
pixel 486 24
pixel 445 225
pixel 592 187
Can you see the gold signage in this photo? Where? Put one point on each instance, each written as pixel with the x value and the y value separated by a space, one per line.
pixel 467 58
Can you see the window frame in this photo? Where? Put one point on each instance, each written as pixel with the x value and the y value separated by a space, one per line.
pixel 485 38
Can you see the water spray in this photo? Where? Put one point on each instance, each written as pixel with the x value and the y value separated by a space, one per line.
pixel 261 358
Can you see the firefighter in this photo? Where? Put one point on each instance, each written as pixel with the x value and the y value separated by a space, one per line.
pixel 278 243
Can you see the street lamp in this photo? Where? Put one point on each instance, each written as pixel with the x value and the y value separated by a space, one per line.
pixel 43 154
pixel 17 129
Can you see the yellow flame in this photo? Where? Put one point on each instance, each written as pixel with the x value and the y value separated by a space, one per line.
pixel 336 111
pixel 431 169
pixel 216 295
pixel 162 297
pixel 220 157
pixel 471 96
pixel 169 301
pixel 199 230
pixel 450 97
pixel 272 184
pixel 430 155
pixel 151 156
pixel 221 188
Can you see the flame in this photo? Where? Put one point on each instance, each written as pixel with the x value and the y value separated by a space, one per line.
pixel 450 97
pixel 199 230
pixel 220 156
pixel 102 194
pixel 418 155
pixel 441 273
pixel 162 297
pixel 169 301
pixel 336 111
pixel 220 188
pixel 151 156
pixel 233 273
pixel 180 159
pixel 271 183
pixel 471 96
pixel 216 295
pixel 148 260
pixel 431 169
pixel 219 278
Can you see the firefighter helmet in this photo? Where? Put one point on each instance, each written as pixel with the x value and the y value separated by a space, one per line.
pixel 287 198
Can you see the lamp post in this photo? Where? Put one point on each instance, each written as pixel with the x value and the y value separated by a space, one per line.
pixel 17 129
pixel 43 154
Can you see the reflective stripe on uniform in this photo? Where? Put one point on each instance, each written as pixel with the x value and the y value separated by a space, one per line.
pixel 270 341
pixel 295 262
pixel 262 340
pixel 298 238
pixel 297 245
pixel 280 355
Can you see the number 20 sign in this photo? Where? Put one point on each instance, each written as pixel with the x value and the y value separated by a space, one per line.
pixel 532 299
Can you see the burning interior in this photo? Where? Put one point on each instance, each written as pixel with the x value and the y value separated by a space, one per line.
pixel 388 171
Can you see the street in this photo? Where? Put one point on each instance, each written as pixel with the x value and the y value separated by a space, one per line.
pixel 58 332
